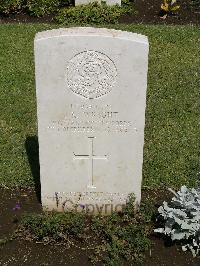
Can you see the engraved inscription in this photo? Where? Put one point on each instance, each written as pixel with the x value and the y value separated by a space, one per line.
pixel 87 118
pixel 91 74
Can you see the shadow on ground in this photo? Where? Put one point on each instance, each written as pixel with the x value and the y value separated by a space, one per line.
pixel 32 150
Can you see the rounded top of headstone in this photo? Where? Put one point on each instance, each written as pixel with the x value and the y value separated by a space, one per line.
pixel 89 31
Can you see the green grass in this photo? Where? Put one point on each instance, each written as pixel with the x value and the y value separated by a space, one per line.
pixel 172 137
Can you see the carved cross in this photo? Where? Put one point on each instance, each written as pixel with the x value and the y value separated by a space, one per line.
pixel 91 157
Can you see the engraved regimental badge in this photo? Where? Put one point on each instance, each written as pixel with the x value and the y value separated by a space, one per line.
pixel 91 74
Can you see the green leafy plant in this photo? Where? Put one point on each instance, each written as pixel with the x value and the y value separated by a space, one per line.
pixel 52 226
pixel 125 235
pixel 182 218
pixel 40 8
pixel 11 6
pixel 93 13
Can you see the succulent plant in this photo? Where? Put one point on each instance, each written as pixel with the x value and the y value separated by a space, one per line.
pixel 182 218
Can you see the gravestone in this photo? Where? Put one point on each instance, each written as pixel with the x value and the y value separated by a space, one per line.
pixel 108 2
pixel 91 94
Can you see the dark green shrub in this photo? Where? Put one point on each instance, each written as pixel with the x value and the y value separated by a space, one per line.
pixel 40 8
pixel 93 13
pixel 126 235
pixel 11 6
pixel 53 225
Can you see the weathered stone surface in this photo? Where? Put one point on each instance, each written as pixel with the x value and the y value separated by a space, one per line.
pixel 91 95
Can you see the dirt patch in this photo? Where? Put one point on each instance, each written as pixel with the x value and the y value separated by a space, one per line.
pixel 148 12
pixel 21 252
pixel 9 214
pixel 13 205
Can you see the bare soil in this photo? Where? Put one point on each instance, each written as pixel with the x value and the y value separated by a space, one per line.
pixel 149 12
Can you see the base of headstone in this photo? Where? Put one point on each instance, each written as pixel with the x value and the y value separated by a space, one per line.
pixel 92 203
pixel 108 2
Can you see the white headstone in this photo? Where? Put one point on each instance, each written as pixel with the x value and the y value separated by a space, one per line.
pixel 91 95
pixel 108 2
